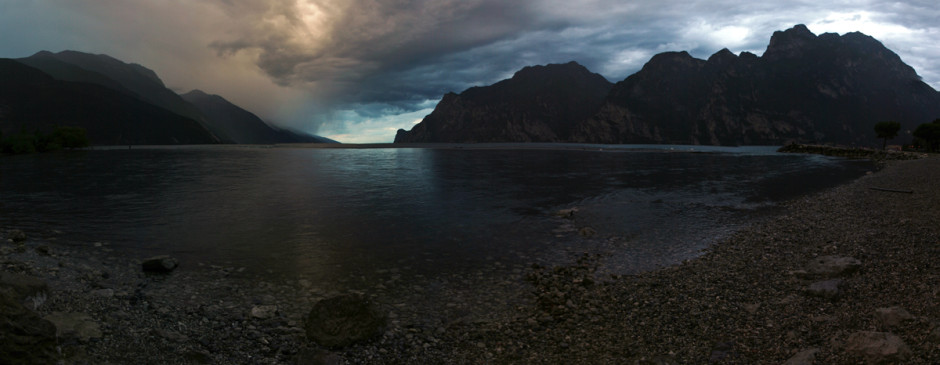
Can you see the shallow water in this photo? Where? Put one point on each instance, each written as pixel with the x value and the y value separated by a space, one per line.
pixel 331 214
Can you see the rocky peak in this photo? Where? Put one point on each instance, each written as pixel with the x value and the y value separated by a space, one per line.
pixel 722 58
pixel 790 43
pixel 671 62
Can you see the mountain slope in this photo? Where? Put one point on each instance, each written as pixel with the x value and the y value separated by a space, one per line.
pixel 538 104
pixel 826 88
pixel 137 80
pixel 241 125
pixel 33 100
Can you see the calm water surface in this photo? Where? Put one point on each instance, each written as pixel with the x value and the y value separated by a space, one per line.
pixel 328 213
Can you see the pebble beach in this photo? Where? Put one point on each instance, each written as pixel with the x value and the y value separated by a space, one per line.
pixel 846 276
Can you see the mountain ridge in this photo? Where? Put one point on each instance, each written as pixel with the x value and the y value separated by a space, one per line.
pixel 31 100
pixel 145 85
pixel 827 88
pixel 538 104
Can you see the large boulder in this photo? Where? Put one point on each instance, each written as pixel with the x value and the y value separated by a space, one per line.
pixel 74 325
pixel 159 264
pixel 25 338
pixel 343 320
pixel 17 236
pixel 832 266
pixel 24 288
pixel 892 316
pixel 878 347
pixel 805 357
pixel 828 289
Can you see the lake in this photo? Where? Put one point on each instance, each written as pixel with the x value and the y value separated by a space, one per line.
pixel 328 214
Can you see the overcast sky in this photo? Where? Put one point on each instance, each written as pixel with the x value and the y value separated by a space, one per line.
pixel 357 70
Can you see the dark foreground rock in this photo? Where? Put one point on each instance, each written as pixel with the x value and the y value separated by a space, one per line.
pixel 25 338
pixel 159 264
pixel 343 320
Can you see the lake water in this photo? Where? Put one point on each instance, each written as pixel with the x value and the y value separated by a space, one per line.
pixel 330 213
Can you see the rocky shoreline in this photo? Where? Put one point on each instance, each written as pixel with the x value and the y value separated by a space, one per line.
pixel 844 276
pixel 851 152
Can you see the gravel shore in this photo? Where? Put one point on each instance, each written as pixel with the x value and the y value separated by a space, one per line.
pixel 758 297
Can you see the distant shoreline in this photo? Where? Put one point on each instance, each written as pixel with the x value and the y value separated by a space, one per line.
pixel 454 146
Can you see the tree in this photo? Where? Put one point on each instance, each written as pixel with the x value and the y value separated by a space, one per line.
pixel 887 130
pixel 70 137
pixel 928 135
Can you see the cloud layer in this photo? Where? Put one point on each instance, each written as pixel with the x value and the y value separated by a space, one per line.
pixel 360 69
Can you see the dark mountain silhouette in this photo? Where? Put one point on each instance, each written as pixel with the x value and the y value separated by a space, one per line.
pixel 142 83
pixel 538 104
pixel 826 88
pixel 32 100
pixel 241 125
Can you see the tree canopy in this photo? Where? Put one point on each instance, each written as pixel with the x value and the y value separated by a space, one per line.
pixel 887 130
pixel 927 135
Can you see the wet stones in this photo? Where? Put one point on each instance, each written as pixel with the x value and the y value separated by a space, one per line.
pixel 159 264
pixel 343 320
pixel 877 347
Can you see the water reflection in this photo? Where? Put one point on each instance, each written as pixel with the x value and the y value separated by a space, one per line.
pixel 332 213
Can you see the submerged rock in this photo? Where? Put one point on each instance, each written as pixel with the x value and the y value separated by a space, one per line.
pixel 159 264
pixel 343 320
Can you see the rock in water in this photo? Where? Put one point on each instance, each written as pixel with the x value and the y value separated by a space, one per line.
pixel 160 264
pixel 343 320
pixel 17 236
pixel 878 347
pixel 25 338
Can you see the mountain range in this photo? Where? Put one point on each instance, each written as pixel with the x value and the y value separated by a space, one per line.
pixel 808 88
pixel 121 104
